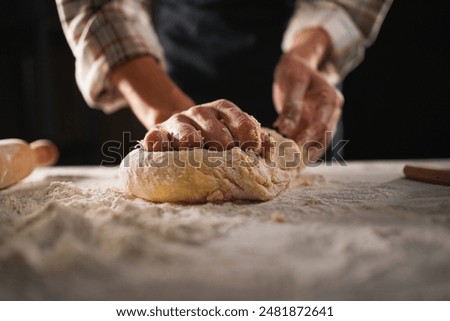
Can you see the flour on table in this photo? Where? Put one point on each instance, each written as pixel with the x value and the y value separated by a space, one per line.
pixel 356 232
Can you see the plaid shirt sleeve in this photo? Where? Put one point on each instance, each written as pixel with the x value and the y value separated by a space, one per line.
pixel 104 34
pixel 352 24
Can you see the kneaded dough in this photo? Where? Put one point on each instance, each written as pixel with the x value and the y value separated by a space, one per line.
pixel 200 175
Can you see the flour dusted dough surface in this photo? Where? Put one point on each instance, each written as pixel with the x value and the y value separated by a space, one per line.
pixel 199 175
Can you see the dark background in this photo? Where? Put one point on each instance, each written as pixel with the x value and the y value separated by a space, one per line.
pixel 397 101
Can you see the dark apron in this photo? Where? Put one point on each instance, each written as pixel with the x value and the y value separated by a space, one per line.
pixel 224 49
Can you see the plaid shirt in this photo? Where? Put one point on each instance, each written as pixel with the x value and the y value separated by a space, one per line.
pixel 104 34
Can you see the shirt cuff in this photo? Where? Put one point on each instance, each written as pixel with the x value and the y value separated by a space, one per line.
pixel 109 42
pixel 348 41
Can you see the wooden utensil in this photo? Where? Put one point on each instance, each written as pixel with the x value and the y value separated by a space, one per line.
pixel 428 174
pixel 18 158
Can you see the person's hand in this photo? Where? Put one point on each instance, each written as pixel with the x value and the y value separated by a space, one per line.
pixel 219 125
pixel 307 102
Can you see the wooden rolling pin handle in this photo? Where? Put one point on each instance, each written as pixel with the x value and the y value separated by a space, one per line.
pixel 18 159
pixel 428 175
pixel 45 152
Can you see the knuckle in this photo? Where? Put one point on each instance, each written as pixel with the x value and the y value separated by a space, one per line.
pixel 224 102
pixel 180 118
pixel 200 111
pixel 339 98
pixel 224 105
pixel 177 118
pixel 245 123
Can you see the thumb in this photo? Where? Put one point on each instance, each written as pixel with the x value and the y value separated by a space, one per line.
pixel 291 110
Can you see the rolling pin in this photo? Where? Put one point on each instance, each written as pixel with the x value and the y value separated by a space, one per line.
pixel 428 175
pixel 18 158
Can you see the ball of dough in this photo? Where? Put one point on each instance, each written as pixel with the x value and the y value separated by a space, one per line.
pixel 200 175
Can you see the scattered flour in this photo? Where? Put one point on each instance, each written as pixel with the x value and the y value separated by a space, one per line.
pixel 357 232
